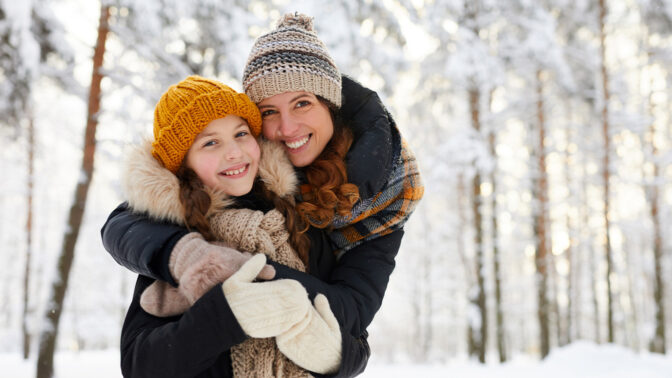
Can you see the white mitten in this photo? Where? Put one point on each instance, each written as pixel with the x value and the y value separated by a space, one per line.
pixel 265 309
pixel 315 342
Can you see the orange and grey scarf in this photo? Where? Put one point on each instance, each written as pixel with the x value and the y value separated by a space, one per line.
pixel 387 210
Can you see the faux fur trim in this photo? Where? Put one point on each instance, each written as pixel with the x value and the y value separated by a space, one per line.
pixel 150 188
pixel 276 171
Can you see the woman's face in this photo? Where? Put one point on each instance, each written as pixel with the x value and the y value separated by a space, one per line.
pixel 300 121
pixel 225 156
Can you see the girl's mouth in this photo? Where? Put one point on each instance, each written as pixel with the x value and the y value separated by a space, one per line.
pixel 235 172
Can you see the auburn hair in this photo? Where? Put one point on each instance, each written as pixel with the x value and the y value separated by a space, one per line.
pixel 327 192
pixel 196 203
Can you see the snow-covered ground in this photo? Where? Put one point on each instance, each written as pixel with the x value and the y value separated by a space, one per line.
pixel 581 359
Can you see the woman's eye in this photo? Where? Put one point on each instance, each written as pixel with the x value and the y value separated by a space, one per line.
pixel 266 113
pixel 303 103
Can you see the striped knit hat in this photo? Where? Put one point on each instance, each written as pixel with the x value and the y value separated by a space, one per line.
pixel 187 108
pixel 289 59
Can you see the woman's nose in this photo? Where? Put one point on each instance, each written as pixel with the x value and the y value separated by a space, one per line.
pixel 287 125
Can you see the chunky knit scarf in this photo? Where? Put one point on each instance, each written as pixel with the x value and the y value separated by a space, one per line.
pixel 387 210
pixel 254 231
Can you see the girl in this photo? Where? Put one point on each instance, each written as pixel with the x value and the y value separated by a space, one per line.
pixel 201 171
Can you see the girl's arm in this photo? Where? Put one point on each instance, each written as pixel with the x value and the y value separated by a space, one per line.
pixel 180 346
pixel 197 342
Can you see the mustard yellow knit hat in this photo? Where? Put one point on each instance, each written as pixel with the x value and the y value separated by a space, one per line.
pixel 187 108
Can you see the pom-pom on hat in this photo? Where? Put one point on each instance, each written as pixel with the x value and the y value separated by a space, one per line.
pixel 187 108
pixel 291 58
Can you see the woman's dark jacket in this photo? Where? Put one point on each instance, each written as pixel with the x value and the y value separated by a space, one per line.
pixel 355 284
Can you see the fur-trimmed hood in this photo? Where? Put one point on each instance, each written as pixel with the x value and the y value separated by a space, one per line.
pixel 152 189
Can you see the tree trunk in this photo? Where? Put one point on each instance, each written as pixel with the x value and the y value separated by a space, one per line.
pixel 48 337
pixel 479 327
pixel 606 170
pixel 29 237
pixel 657 344
pixel 570 330
pixel 540 194
pixel 501 346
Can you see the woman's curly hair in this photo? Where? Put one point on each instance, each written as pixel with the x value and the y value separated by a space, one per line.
pixel 327 192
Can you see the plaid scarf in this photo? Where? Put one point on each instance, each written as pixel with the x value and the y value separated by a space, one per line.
pixel 387 210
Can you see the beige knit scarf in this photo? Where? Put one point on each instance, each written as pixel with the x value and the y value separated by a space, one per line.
pixel 254 231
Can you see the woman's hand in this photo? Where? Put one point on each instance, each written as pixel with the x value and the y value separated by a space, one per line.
pixel 315 342
pixel 265 309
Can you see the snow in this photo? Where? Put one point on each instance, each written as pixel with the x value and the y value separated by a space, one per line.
pixel 580 359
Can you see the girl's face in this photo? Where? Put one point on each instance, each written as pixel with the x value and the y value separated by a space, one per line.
pixel 300 121
pixel 225 156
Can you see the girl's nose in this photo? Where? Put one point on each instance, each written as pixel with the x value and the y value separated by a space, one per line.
pixel 232 151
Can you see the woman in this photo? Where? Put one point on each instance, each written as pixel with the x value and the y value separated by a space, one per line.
pixel 362 186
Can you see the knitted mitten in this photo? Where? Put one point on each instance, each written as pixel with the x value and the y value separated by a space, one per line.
pixel 265 309
pixel 315 342
pixel 197 266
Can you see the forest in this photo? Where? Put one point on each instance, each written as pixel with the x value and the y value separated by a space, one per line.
pixel 543 130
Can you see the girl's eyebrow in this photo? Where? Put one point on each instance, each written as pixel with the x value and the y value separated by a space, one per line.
pixel 199 136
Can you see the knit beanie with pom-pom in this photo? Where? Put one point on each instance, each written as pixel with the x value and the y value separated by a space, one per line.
pixel 291 58
pixel 187 108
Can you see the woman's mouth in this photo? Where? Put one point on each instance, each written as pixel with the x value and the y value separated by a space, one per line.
pixel 235 172
pixel 297 144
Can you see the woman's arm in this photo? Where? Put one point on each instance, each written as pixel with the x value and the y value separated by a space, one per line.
pixel 140 244
pixel 186 345
pixel 356 285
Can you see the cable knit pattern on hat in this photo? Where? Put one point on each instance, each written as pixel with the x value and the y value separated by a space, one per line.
pixel 291 58
pixel 187 107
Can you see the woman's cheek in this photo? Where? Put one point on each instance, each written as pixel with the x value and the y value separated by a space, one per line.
pixel 268 131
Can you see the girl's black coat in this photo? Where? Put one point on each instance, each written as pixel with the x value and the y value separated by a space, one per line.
pixel 354 285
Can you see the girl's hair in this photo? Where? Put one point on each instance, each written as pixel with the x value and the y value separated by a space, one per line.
pixel 327 191
pixel 294 223
pixel 196 202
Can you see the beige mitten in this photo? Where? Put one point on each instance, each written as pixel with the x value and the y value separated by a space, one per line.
pixel 264 309
pixel 197 266
pixel 161 299
pixel 315 342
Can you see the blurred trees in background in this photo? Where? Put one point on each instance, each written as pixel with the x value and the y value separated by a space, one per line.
pixel 543 131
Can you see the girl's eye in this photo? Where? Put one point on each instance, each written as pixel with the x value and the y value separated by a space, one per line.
pixel 241 134
pixel 209 143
